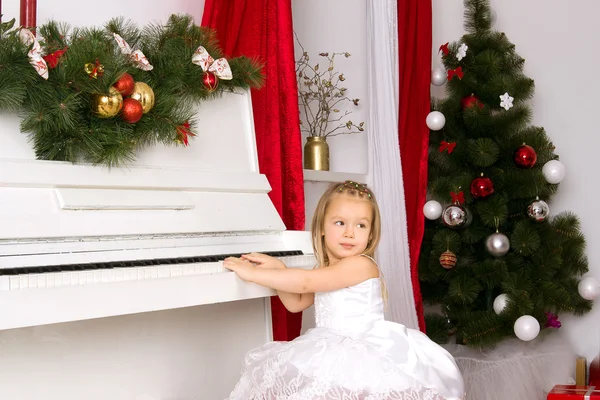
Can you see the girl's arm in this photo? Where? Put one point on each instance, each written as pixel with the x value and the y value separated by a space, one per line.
pixel 293 302
pixel 349 271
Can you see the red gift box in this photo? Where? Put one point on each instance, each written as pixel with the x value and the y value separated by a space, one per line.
pixel 595 371
pixel 572 392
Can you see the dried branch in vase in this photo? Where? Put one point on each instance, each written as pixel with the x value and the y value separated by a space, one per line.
pixel 321 96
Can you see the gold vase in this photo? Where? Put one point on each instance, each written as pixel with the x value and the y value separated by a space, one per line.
pixel 316 153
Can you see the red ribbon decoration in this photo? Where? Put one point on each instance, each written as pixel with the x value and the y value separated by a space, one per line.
pixel 444 49
pixel 183 132
pixel 52 59
pixel 457 71
pixel 447 146
pixel 458 197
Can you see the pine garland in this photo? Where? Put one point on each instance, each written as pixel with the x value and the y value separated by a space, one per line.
pixel 60 114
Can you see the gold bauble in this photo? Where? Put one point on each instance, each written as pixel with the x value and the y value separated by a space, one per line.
pixel 107 105
pixel 448 259
pixel 144 94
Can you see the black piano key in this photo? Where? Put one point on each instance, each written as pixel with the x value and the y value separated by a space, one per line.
pixel 135 263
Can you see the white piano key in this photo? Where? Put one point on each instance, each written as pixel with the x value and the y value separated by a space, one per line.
pixel 82 277
pixel 15 282
pixel 127 274
pixel 97 276
pixel 105 275
pixel 50 279
pixel 42 278
pixel 119 274
pixel 4 282
pixel 176 270
pixel 164 271
pixel 74 278
pixel 141 275
pixel 187 269
pixel 33 281
pixel 23 281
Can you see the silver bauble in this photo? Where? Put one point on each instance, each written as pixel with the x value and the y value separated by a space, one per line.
pixel 538 210
pixel 497 244
pixel 439 76
pixel 454 216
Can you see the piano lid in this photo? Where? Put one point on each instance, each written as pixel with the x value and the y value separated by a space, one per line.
pixel 211 186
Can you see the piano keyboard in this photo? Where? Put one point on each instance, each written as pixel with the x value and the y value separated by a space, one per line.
pixel 133 270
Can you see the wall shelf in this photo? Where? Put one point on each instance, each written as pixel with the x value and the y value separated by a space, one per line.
pixel 330 176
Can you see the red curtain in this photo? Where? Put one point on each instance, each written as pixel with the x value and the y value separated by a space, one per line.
pixel 414 53
pixel 262 29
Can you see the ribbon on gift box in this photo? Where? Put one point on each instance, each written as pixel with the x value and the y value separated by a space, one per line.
pixel 586 391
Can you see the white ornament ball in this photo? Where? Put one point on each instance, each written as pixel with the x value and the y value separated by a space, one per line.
pixel 589 288
pixel 500 303
pixel 526 328
pixel 439 76
pixel 554 171
pixel 432 210
pixel 435 120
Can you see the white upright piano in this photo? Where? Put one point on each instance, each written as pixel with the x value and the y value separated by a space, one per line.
pixel 111 281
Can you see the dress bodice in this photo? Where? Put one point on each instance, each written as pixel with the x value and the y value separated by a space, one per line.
pixel 352 309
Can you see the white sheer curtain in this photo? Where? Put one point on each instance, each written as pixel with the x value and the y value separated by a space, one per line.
pixel 384 164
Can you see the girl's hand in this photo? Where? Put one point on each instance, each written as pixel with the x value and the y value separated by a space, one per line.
pixel 263 261
pixel 244 269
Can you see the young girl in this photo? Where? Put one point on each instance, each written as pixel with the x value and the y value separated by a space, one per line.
pixel 352 353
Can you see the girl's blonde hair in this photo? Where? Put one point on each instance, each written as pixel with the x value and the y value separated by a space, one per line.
pixel 353 190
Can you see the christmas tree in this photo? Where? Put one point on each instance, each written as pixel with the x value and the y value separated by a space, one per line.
pixel 495 261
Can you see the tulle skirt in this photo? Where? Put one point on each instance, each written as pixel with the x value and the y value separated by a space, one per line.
pixel 388 361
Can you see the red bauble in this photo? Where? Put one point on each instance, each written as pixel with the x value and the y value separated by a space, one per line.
pixel 525 156
pixel 132 110
pixel 210 81
pixel 125 84
pixel 471 101
pixel 482 187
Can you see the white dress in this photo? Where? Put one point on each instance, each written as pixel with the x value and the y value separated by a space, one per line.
pixel 352 354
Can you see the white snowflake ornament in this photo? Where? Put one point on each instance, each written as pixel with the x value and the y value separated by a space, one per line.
pixel 462 52
pixel 506 101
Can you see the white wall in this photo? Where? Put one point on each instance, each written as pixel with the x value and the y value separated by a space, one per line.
pixel 339 26
pixel 83 13
pixel 557 39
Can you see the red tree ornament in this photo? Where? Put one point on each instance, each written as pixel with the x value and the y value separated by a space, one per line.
pixel 482 187
pixel 525 156
pixel 471 100
pixel 210 81
pixel 125 84
pixel 132 110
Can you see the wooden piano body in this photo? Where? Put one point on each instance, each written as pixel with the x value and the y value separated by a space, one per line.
pixel 115 324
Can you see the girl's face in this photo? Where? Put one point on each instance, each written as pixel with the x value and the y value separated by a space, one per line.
pixel 347 227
